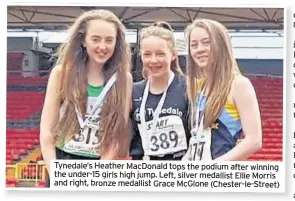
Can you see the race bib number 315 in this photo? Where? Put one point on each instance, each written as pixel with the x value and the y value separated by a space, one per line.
pixel 84 142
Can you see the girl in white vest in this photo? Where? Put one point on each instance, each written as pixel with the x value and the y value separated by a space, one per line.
pixel 160 104
pixel 87 104
pixel 226 123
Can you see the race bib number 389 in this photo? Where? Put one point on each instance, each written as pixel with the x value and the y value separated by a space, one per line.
pixel 169 136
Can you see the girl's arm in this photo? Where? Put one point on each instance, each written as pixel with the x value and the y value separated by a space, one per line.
pixel 50 115
pixel 246 102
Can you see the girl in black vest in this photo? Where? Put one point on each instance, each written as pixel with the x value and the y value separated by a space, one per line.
pixel 160 104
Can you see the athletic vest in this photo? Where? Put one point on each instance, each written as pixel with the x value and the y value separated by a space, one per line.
pixel 220 137
pixel 86 142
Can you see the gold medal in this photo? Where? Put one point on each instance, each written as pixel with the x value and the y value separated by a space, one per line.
pixel 146 158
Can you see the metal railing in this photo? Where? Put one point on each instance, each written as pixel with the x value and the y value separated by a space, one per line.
pixel 28 172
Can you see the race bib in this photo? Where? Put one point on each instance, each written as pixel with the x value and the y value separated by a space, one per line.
pixel 200 145
pixel 169 136
pixel 85 142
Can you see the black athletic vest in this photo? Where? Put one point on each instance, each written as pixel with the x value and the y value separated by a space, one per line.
pixel 168 136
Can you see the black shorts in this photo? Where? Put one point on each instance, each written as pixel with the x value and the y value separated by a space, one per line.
pixel 66 156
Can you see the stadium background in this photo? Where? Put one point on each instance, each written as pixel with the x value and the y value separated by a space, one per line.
pixel 34 34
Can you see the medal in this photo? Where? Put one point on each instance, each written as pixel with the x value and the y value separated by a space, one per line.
pixel 146 158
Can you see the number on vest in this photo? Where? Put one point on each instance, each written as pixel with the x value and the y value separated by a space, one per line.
pixel 164 140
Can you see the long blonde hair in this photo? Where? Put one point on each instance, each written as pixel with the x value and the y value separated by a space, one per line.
pixel 74 58
pixel 162 30
pixel 219 77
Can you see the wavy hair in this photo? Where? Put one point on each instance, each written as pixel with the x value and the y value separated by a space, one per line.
pixel 113 128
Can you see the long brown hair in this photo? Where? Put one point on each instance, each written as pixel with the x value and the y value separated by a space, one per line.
pixel 74 58
pixel 219 77
pixel 162 30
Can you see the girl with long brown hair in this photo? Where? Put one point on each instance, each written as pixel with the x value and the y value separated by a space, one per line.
pixel 225 113
pixel 88 98
pixel 160 104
